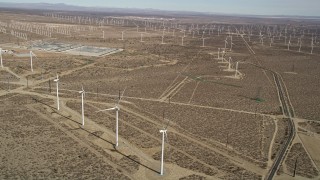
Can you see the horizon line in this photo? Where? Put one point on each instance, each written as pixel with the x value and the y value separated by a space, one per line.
pixel 154 9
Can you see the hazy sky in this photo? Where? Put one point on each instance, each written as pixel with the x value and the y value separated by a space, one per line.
pixel 260 7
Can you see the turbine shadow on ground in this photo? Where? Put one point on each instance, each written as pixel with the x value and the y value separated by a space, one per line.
pixel 93 134
pixel 136 161
pixel 54 110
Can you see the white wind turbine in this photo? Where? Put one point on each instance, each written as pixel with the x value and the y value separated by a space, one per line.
pixel 1 57
pixel 237 72
pixel 164 134
pixel 271 41
pixel 83 93
pixel 57 81
pixel 225 44
pixel 31 55
pixel 117 109
pixel 162 40
pixel 122 32
pixel 300 43
pixel 141 38
pixel 289 43
pixel 229 64
pixel 203 42
pixel 182 40
pixel 312 44
pixel 231 44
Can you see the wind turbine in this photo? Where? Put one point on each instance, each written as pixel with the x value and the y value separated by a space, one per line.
pixel 225 44
pixel 83 93
pixel 117 109
pixel 182 40
pixel 164 133
pixel 57 81
pixel 1 57
pixel 237 72
pixel 122 32
pixel 285 40
pixel 203 42
pixel 271 41
pixel 312 45
pixel 231 45
pixel 229 64
pixel 162 40
pixel 31 54
pixel 289 43
pixel 300 45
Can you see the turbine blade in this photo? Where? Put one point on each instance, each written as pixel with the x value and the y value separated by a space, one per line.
pixel 163 119
pixel 167 125
pixel 121 96
pixel 110 109
pixel 166 139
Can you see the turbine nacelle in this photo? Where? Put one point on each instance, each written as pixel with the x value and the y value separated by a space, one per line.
pixel 57 79
pixel 163 131
pixel 82 91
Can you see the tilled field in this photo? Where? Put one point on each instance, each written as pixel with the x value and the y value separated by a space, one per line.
pixel 28 138
pixel 220 126
pixel 144 134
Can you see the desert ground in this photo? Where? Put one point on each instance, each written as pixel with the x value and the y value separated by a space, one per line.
pixel 233 93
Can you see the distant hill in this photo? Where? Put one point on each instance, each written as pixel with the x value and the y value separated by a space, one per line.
pixel 66 7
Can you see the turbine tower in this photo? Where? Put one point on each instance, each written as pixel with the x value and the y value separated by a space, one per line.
pixel 31 54
pixel 162 40
pixel 182 41
pixel 229 64
pixel 225 44
pixel 1 57
pixel 236 75
pixel 164 135
pixel 312 44
pixel 122 32
pixel 57 81
pixel 83 93
pixel 231 42
pixel 300 43
pixel 202 42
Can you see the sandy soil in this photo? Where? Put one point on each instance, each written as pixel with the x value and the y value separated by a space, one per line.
pixel 221 127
